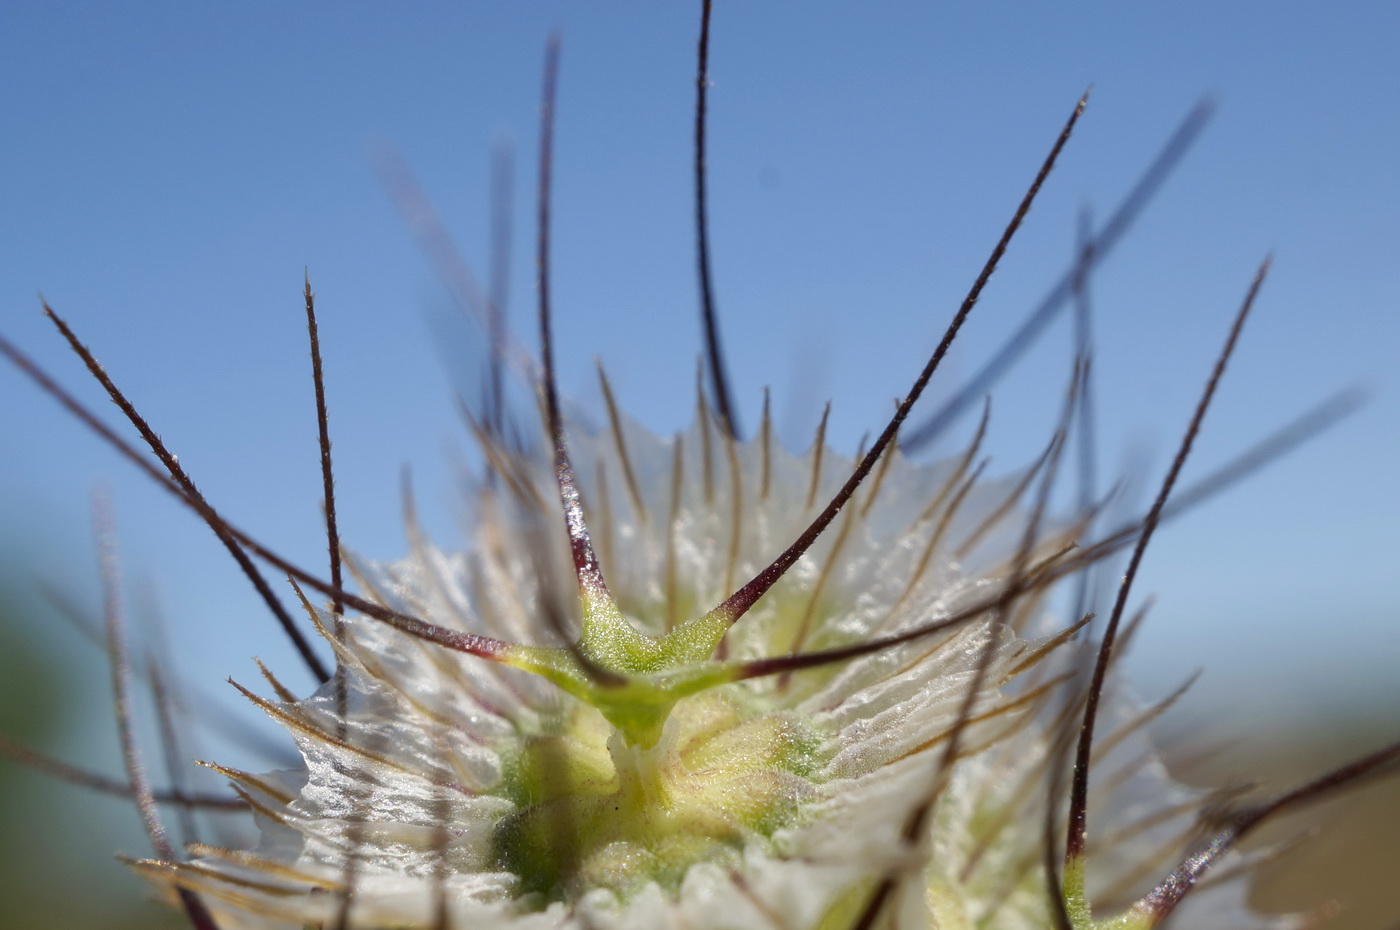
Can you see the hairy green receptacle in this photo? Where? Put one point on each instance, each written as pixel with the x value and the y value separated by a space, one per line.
pixel 599 812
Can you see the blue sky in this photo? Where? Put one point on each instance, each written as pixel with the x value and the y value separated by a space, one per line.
pixel 169 170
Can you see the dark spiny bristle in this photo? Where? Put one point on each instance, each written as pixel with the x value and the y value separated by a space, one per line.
pixel 187 488
pixel 740 601
pixel 709 317
pixel 1079 791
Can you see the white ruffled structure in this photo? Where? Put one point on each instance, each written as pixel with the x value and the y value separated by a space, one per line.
pixel 412 799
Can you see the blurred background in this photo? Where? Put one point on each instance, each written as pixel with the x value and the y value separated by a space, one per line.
pixel 169 173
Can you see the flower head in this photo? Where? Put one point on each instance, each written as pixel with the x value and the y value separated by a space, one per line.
pixel 707 789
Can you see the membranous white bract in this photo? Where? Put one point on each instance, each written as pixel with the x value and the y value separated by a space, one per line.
pixel 443 790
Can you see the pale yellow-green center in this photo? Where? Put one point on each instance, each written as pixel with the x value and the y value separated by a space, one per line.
pixel 662 763
pixel 596 811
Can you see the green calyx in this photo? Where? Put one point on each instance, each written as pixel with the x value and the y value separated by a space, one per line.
pixel 595 811
pixel 1081 917
pixel 633 679
pixel 656 769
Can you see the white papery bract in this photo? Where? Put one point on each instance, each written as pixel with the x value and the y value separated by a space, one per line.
pixel 443 790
